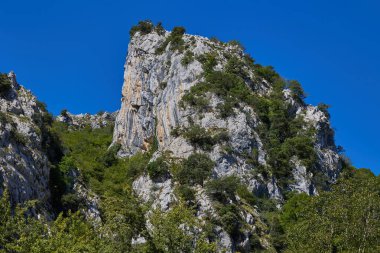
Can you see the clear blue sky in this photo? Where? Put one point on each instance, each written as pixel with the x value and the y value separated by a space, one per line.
pixel 71 53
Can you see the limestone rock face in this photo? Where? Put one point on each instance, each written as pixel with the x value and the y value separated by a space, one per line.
pixel 151 109
pixel 77 121
pixel 24 169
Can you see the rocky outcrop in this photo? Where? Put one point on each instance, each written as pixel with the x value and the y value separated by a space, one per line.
pixel 24 168
pixel 154 84
pixel 76 121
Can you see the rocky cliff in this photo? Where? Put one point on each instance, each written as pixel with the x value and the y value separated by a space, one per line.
pixel 186 94
pixel 24 169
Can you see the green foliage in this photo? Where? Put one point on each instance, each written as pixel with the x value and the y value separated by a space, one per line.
pixel 230 219
pixel 228 85
pixel 5 84
pixel 174 39
pixel 283 134
pixel 64 113
pixel 267 72
pixel 18 137
pixel 203 138
pixel 223 189
pixel 209 61
pixel 199 137
pixel 226 109
pixel 236 66
pixel 325 109
pixel 163 85
pixel 245 194
pixel 342 220
pixel 159 29
pixel 21 233
pixel 195 169
pixel 186 193
pixel 196 98
pixel 144 27
pixel 236 43
pixel 4 118
pixel 297 91
pixel 187 58
pixel 158 168
pixel 175 231
pixel 122 218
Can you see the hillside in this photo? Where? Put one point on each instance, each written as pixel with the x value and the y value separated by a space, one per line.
pixel 209 152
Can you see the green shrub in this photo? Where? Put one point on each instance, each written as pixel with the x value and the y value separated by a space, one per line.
pixel 245 194
pixel 144 27
pixel 186 193
pixel 64 113
pixel 18 137
pixel 158 168
pixel 235 66
pixel 195 98
pixel 159 29
pixel 41 105
pixel 209 61
pixel 4 118
pixel 325 109
pixel 298 93
pixel 267 72
pixel 174 39
pixel 236 43
pixel 187 58
pixel 70 201
pixel 195 169
pixel 199 137
pixel 223 189
pixel 110 157
pixel 230 219
pixel 5 85
pixel 163 85
pixel 226 109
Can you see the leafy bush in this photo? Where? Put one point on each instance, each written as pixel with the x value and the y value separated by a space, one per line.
pixel 297 91
pixel 18 137
pixel 5 84
pixel 187 58
pixel 202 138
pixel 159 29
pixel 175 40
pixel 195 169
pixel 144 27
pixel 4 118
pixel 158 168
pixel 230 219
pixel 226 109
pixel 209 61
pixel 223 189
pixel 64 113
pixel 335 221
pixel 245 194
pixel 163 85
pixel 235 66
pixel 267 72
pixel 236 43
pixel 325 109
pixel 196 98
pixel 199 137
pixel 186 193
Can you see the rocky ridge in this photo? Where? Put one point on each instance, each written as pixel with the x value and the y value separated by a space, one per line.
pixel 77 121
pixel 24 169
pixel 153 90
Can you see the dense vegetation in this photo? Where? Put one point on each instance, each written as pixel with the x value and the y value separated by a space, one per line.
pixel 343 218
pixel 5 84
